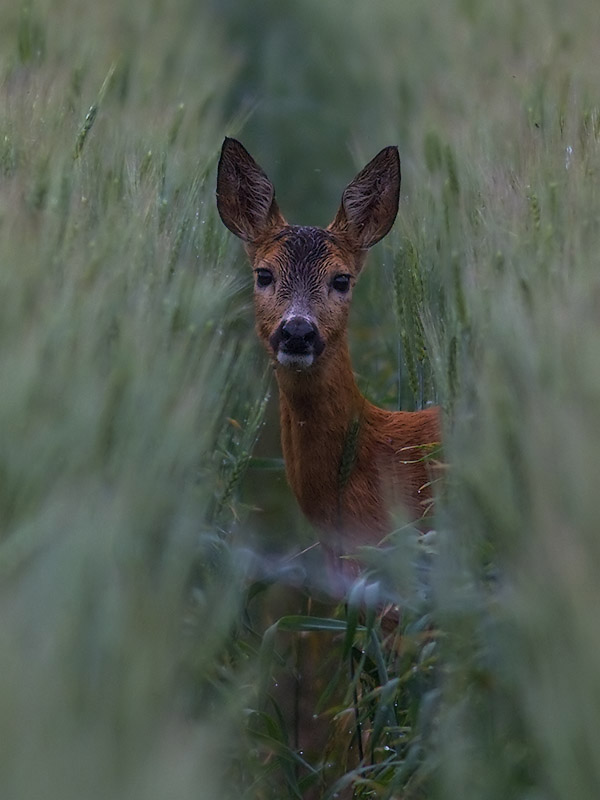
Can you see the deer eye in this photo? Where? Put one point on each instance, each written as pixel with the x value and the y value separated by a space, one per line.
pixel 264 277
pixel 341 283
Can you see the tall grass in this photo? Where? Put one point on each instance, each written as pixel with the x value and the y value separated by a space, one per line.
pixel 494 273
pixel 131 397
pixel 120 365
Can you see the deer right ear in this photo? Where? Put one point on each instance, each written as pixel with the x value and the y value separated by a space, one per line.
pixel 245 196
pixel 370 203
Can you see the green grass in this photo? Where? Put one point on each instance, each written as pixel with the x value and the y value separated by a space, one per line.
pixel 121 361
pixel 133 655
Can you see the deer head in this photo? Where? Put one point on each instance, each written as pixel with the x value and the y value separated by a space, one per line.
pixel 304 276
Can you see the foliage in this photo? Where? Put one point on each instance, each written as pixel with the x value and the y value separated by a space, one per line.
pixel 145 618
pixel 120 362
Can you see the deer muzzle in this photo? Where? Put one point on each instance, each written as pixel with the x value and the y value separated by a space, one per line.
pixel 296 343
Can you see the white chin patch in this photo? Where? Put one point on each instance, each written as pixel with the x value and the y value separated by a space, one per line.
pixel 295 360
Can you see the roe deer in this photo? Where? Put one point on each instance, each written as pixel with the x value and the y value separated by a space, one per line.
pixel 346 460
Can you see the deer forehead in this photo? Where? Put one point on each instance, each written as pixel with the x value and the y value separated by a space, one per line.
pixel 304 256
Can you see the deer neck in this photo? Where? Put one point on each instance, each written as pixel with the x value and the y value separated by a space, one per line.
pixel 320 411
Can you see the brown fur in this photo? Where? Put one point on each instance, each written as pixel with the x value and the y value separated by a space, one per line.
pixel 320 406
pixel 347 461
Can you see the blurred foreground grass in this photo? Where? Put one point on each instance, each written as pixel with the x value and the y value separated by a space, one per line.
pixel 119 366
pixel 130 395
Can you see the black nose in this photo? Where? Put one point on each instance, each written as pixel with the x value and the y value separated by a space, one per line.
pixel 298 334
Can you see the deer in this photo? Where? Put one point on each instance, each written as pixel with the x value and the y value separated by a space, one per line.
pixel 348 462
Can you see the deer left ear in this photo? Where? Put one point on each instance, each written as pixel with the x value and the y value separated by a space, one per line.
pixel 245 196
pixel 370 203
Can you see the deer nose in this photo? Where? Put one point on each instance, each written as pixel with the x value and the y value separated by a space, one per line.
pixel 298 334
pixel 296 340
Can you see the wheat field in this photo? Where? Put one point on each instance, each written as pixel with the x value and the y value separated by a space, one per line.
pixel 142 497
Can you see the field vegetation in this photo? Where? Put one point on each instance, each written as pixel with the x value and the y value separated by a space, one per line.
pixel 145 525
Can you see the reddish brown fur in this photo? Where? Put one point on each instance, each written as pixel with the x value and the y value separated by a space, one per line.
pixel 321 405
pixel 389 469
pixel 345 491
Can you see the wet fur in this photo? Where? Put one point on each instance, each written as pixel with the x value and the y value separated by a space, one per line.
pixel 348 462
pixel 321 405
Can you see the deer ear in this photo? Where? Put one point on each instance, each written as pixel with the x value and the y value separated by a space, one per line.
pixel 370 203
pixel 245 196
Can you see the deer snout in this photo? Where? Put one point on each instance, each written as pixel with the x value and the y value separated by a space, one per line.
pixel 297 342
pixel 298 334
